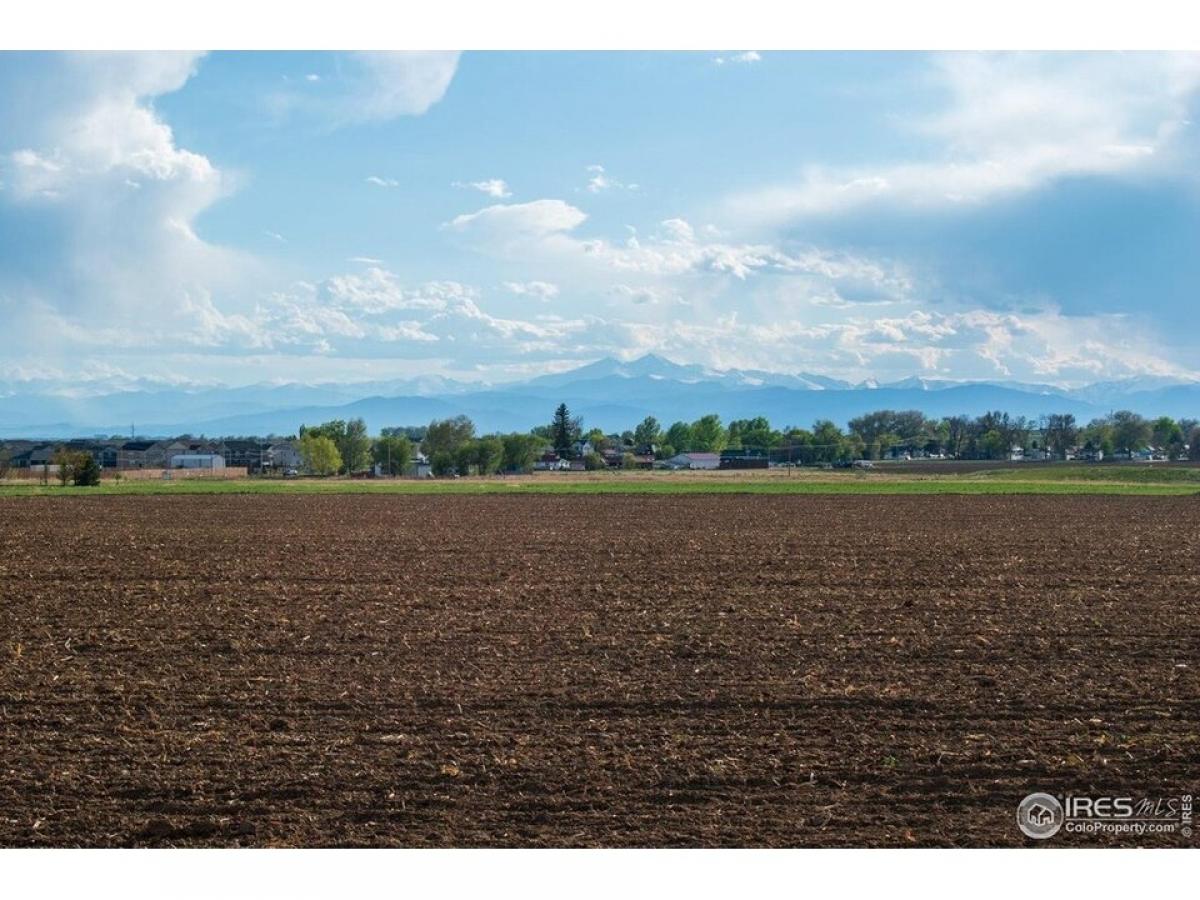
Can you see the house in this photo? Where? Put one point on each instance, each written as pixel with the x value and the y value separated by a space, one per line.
pixel 420 465
pixel 249 454
pixel 693 461
pixel 196 461
pixel 38 458
pixel 551 462
pixel 138 455
pixel 283 455
pixel 582 448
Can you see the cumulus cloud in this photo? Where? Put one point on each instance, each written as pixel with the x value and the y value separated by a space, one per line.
pixel 1010 123
pixel 542 232
pixel 493 187
pixel 92 169
pixel 540 290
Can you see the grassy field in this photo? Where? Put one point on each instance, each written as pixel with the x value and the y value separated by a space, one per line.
pixel 1140 480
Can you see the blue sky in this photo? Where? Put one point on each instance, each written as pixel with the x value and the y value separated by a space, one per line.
pixel 244 217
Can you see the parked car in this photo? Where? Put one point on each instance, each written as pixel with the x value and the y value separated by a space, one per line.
pixel 863 464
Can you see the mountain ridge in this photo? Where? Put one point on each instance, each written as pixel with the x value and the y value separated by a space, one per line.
pixel 609 393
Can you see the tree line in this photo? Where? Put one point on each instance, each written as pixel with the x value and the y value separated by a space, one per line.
pixel 452 446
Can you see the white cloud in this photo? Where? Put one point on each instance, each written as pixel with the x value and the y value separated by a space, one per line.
pixel 382 182
pixel 541 290
pixel 1011 123
pixel 639 295
pixel 749 56
pixel 599 180
pixel 541 233
pixel 513 224
pixel 371 87
pixel 114 198
pixel 493 187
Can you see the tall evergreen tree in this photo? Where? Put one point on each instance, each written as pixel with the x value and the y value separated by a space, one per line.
pixel 560 427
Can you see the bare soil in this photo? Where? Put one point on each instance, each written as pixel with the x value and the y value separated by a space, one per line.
pixel 613 671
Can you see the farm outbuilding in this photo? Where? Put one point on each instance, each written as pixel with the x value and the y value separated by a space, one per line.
pixel 197 461
pixel 693 461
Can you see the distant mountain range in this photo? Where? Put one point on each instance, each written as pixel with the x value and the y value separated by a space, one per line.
pixel 609 394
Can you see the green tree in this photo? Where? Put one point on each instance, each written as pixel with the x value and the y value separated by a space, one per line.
pixel 1130 431
pixel 648 433
pixel 1166 434
pixel 828 442
pixel 872 429
pixel 1061 433
pixel 356 446
pixel 86 472
pixel 708 434
pixel 679 438
pixel 350 438
pixel 1098 435
pixel 958 433
pixel 489 455
pixel 993 445
pixel 441 463
pixel 64 459
pixel 319 454
pixel 565 431
pixel 447 435
pixel 464 457
pixel 520 451
pixel 393 451
pixel 753 434
pixel 594 462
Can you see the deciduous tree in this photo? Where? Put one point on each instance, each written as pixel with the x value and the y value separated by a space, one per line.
pixel 319 454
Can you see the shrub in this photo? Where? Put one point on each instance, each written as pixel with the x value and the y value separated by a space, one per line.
pixel 86 471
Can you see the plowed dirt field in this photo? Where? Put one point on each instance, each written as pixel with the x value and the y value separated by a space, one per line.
pixel 591 670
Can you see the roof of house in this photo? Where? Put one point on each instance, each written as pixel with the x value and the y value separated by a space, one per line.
pixel 138 445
